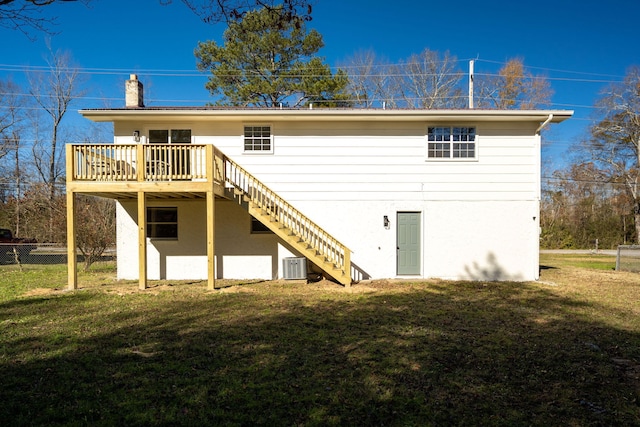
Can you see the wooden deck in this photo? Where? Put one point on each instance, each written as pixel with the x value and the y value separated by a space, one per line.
pixel 179 171
pixel 164 171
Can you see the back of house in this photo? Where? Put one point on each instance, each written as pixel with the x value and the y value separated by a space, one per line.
pixel 411 194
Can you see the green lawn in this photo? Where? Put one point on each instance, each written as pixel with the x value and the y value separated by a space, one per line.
pixel 562 351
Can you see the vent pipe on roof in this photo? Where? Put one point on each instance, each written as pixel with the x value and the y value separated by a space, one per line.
pixel 134 92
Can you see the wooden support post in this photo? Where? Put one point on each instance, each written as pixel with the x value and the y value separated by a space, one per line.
pixel 211 240
pixel 142 240
pixel 72 253
pixel 347 267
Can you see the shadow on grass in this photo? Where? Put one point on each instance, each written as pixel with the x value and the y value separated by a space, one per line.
pixel 434 354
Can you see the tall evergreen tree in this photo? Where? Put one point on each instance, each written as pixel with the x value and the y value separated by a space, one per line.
pixel 267 60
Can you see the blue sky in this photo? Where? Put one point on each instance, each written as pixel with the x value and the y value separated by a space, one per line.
pixel 580 46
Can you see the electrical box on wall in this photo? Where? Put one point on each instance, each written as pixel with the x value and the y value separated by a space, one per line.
pixel 294 268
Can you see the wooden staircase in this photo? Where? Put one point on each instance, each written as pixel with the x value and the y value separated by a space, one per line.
pixel 287 222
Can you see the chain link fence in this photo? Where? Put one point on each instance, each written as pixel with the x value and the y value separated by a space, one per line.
pixel 628 258
pixel 25 255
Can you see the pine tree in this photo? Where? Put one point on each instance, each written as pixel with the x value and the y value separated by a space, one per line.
pixel 268 60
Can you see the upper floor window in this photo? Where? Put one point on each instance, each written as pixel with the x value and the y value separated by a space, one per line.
pixel 258 139
pixel 451 142
pixel 174 136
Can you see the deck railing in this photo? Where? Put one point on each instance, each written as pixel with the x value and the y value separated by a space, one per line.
pixel 104 162
pixel 120 162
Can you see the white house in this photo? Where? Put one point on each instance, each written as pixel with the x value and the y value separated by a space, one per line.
pixel 361 193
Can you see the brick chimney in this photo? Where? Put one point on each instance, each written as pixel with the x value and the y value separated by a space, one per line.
pixel 134 93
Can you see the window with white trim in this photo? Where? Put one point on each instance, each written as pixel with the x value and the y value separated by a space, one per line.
pixel 444 142
pixel 162 222
pixel 258 139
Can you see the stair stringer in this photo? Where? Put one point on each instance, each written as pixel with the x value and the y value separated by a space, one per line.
pixel 289 224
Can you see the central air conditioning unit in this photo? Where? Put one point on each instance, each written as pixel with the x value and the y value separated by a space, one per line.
pixel 294 268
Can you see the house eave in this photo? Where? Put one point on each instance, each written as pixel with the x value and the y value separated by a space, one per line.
pixel 334 115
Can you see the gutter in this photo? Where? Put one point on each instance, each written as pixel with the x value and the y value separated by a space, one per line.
pixel 545 123
pixel 209 114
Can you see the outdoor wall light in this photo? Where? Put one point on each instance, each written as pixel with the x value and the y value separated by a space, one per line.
pixel 385 221
pixel 136 135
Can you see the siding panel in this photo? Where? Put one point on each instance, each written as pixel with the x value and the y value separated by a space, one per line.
pixel 371 161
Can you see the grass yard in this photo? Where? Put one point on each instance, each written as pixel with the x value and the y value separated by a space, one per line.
pixel 562 351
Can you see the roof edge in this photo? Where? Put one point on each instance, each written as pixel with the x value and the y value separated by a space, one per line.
pixel 212 113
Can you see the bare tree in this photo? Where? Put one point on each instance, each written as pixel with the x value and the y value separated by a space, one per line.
pixel 11 115
pixel 368 79
pixel 431 81
pixel 425 80
pixel 25 15
pixel 53 92
pixel 579 207
pixel 41 218
pixel 614 145
pixel 512 88
pixel 97 230
pixel 12 123
pixel 215 11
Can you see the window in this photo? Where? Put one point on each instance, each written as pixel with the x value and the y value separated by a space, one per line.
pixel 158 136
pixel 178 136
pixel 258 139
pixel 162 223
pixel 181 136
pixel 451 143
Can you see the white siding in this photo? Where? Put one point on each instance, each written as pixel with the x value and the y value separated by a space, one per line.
pixel 480 216
pixel 376 162
pixel 239 254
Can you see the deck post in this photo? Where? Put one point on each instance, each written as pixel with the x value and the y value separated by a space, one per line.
pixel 72 253
pixel 72 259
pixel 142 240
pixel 211 217
pixel 347 267
pixel 211 240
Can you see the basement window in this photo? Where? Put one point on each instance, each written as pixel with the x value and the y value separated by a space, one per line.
pixel 162 223
pixel 444 142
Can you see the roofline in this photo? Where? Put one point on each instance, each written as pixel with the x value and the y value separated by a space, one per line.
pixel 218 114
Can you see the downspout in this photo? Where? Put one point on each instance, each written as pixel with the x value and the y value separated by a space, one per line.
pixel 545 123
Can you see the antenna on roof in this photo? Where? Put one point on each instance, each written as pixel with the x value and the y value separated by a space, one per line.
pixel 471 84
